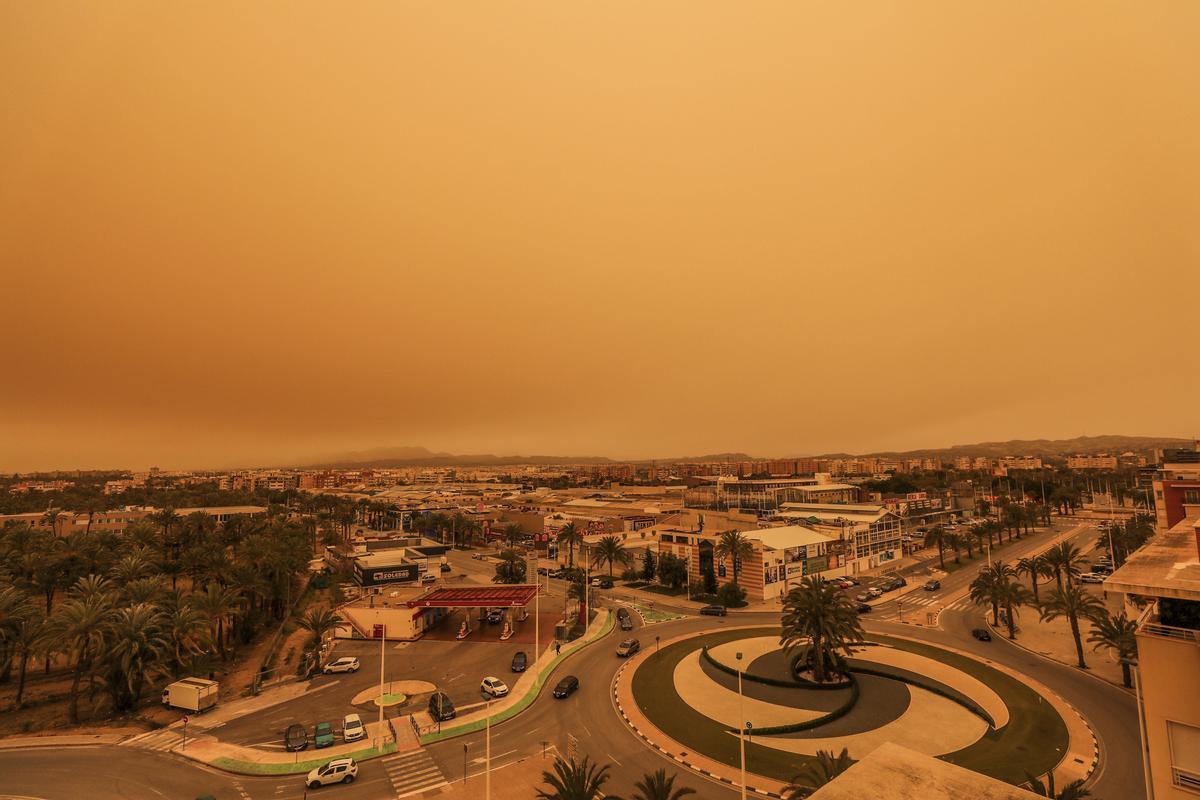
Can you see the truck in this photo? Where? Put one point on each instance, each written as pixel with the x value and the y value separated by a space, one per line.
pixel 191 694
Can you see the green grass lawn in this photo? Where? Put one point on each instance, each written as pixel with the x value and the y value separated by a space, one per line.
pixel 1034 739
pixel 651 615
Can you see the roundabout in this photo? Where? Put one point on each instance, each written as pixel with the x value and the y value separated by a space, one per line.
pixel 933 700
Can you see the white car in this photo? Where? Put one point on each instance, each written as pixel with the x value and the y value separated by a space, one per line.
pixel 340 770
pixel 352 728
pixel 1092 577
pixel 493 686
pixel 348 664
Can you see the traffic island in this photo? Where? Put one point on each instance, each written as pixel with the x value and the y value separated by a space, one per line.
pixel 946 708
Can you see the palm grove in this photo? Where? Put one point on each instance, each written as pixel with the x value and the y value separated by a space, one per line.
pixel 171 596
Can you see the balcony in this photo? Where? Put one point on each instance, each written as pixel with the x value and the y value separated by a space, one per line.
pixel 1150 624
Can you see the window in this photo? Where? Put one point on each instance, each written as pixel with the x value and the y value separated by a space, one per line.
pixel 1191 496
pixel 1185 754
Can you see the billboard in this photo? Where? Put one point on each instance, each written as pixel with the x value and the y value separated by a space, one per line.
pixel 378 576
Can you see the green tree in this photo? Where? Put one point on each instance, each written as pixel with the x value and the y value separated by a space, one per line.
pixel 735 546
pixel 647 565
pixel 672 571
pixel 218 605
pixel 820 625
pixel 512 536
pixel 79 624
pixel 318 622
pixel 659 786
pixel 1035 568
pixel 817 772
pixel 1072 791
pixel 1117 632
pixel 575 781
pixel 135 650
pixel 570 536
pixel 987 587
pixel 1012 595
pixel 608 550
pixel 1073 602
pixel 28 639
pixel 510 568
pixel 1064 559
pixel 939 538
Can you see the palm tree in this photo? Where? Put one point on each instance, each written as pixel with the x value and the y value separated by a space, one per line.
pixel 986 587
pixel 817 772
pixel 1064 558
pixel 28 639
pixel 511 535
pixel 735 546
pixel 186 629
pixel 132 567
pixel 608 550
pixel 658 786
pixel 1012 596
pixel 79 625
pixel 510 569
pixel 319 621
pixel 937 537
pixel 572 781
pixel 135 646
pixel 1035 568
pixel 1073 602
pixel 1116 632
pixel 820 624
pixel 570 536
pixel 217 604
pixel 1072 791
pixel 954 542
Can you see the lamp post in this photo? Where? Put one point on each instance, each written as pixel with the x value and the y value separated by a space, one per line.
pixel 382 658
pixel 741 726
pixel 487 769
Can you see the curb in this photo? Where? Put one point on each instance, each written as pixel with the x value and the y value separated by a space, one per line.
pixel 1002 633
pixel 677 759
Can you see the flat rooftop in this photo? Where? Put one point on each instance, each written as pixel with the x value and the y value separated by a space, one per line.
pixel 788 536
pixel 897 773
pixel 1166 566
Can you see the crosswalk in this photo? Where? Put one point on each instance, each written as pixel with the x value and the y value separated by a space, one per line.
pixel 412 772
pixel 916 608
pixel 161 740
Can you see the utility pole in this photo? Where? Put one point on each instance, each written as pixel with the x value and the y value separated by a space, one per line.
pixel 487 772
pixel 382 658
pixel 741 726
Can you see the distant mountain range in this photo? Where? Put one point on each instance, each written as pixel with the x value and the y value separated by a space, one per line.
pixel 390 457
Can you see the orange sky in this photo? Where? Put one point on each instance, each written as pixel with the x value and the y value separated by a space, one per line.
pixel 250 232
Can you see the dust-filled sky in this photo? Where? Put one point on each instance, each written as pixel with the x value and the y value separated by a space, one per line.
pixel 236 232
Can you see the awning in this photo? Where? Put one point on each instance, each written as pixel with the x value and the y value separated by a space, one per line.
pixel 476 597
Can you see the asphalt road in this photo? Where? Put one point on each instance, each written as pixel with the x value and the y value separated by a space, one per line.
pixel 125 772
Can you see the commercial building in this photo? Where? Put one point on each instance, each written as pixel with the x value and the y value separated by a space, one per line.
pixel 1020 462
pixel 1177 487
pixel 1161 587
pixel 872 534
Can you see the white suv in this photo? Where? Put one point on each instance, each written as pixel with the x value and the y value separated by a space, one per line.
pixel 493 686
pixel 340 770
pixel 352 728
pixel 348 664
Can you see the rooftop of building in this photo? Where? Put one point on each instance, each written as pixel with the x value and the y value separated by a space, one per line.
pixel 1166 566
pixel 788 536
pixel 898 773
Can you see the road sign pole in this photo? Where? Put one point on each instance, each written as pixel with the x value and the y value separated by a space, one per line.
pixel 183 745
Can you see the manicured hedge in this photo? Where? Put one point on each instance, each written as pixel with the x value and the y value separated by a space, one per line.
pixel 795 727
pixel 798 683
pixel 904 676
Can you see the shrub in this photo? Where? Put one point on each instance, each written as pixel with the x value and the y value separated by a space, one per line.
pixel 731 595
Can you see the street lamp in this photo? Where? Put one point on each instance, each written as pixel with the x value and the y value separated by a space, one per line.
pixel 487 770
pixel 741 725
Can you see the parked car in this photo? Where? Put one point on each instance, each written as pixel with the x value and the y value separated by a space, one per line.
pixel 868 594
pixel 628 647
pixel 566 687
pixel 606 583
pixel 520 661
pixel 850 580
pixel 429 577
pixel 863 608
pixel 347 664
pixel 323 735
pixel 932 585
pixel 1092 577
pixel 893 583
pixel 352 728
pixel 495 616
pixel 340 770
pixel 713 611
pixel 295 739
pixel 440 707
pixel 445 568
pixel 981 634
pixel 493 686
pixel 841 584
pixel 543 570
pixel 1103 569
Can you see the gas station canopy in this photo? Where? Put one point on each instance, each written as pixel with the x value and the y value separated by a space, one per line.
pixel 476 597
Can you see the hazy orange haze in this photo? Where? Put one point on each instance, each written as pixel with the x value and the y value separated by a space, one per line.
pixel 240 232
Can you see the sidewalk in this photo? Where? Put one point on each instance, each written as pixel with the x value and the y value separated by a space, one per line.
pixel 75 740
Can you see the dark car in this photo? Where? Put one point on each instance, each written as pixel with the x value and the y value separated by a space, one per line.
pixel 932 586
pixel 440 707
pixel 713 611
pixel 628 647
pixel 445 567
pixel 295 738
pixel 981 634
pixel 520 661
pixel 626 623
pixel 863 608
pixel 566 687
pixel 605 583
pixel 495 616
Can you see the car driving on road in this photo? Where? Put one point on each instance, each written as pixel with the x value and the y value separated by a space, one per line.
pixel 566 687
pixel 932 585
pixel 340 770
pixel 628 647
pixel 493 686
pixel 520 661
pixel 981 634
pixel 713 611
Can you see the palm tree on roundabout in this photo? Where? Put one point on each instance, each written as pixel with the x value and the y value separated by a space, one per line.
pixel 819 628
pixel 659 786
pixel 817 772
pixel 573 780
pixel 1072 791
